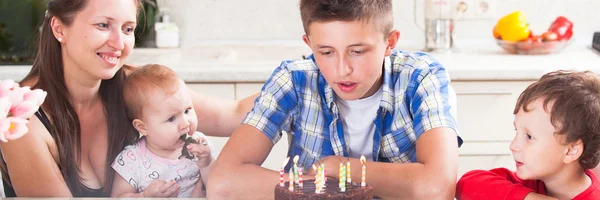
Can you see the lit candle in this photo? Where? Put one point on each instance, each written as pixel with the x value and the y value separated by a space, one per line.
pixel 296 168
pixel 281 172
pixel 364 171
pixel 341 175
pixel 317 179
pixel 348 172
pixel 343 181
pixel 323 175
pixel 291 188
pixel 300 185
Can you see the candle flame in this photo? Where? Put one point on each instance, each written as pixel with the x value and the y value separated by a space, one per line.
pixel 296 159
pixel 285 162
pixel 363 160
pixel 314 167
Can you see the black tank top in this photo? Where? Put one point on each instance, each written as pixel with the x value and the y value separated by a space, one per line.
pixel 10 192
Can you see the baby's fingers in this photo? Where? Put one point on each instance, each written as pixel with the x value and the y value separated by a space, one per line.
pixel 198 149
pixel 168 185
pixel 173 191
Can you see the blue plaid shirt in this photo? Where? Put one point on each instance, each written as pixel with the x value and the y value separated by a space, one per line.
pixel 297 99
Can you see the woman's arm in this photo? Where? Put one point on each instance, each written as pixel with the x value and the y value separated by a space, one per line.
pixel 220 117
pixel 31 166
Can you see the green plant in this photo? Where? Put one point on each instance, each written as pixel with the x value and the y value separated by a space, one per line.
pixel 144 32
pixel 19 25
pixel 5 44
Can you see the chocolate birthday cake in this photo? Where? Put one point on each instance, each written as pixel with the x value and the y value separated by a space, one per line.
pixel 331 191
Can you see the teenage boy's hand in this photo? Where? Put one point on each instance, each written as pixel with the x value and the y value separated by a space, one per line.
pixel 202 153
pixel 332 166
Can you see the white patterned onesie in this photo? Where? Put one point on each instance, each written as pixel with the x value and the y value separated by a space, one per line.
pixel 140 167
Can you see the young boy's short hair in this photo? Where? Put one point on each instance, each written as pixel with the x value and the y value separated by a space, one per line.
pixel 138 86
pixel 378 12
pixel 575 98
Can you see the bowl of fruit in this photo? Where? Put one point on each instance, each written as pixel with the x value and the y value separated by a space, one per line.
pixel 512 33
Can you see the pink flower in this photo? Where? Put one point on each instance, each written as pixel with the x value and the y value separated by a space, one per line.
pixel 17 128
pixel 36 95
pixel 4 126
pixel 17 105
pixel 25 109
pixel 6 86
pixel 16 96
pixel 5 105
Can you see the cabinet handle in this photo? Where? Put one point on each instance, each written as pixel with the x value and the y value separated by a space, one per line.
pixel 485 93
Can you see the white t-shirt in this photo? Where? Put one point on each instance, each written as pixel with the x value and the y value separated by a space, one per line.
pixel 357 118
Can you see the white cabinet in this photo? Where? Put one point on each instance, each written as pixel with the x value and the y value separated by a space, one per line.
pixel 485 121
pixel 220 90
pixel 485 109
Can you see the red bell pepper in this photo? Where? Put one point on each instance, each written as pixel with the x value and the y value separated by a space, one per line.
pixel 562 27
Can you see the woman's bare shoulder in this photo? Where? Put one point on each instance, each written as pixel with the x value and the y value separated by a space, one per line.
pixel 37 139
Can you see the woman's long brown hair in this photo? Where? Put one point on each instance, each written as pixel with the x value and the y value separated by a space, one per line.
pixel 47 69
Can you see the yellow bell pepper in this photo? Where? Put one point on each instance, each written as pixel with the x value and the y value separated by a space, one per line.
pixel 512 27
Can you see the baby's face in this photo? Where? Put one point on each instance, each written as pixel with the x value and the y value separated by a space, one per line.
pixel 537 150
pixel 168 117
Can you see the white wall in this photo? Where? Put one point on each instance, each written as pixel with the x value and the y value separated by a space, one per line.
pixel 278 21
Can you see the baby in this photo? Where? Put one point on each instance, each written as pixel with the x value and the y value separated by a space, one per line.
pixel 171 159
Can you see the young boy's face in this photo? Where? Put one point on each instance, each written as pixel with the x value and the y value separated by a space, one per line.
pixel 537 150
pixel 167 117
pixel 350 55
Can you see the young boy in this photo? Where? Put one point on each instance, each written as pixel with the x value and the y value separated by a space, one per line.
pixel 161 109
pixel 354 96
pixel 557 142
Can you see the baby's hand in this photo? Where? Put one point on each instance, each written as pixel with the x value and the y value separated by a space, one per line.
pixel 160 188
pixel 202 152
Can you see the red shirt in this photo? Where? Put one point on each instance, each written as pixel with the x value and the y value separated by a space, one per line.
pixel 501 183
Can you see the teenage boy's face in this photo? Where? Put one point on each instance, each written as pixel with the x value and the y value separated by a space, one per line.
pixel 537 150
pixel 350 55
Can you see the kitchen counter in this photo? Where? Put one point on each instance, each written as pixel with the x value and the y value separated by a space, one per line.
pixel 255 63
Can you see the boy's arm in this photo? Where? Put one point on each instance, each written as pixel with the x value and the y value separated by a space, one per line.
pixel 237 172
pixel 498 183
pixel 433 176
pixel 221 117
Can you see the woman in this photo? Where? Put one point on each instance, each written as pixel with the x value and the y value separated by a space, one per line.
pixel 82 125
